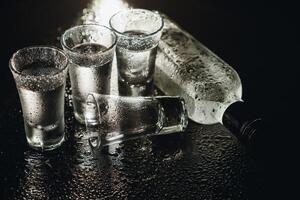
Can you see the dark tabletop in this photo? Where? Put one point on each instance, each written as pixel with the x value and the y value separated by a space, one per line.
pixel 206 162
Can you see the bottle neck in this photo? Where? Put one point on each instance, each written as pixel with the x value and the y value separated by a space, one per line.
pixel 241 119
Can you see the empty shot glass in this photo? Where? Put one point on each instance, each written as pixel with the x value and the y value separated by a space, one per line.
pixel 138 32
pixel 112 119
pixel 40 74
pixel 91 50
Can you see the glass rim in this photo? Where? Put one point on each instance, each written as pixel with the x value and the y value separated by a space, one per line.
pixel 63 43
pixel 11 63
pixel 137 9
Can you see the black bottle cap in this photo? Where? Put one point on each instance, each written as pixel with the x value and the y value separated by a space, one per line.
pixel 243 121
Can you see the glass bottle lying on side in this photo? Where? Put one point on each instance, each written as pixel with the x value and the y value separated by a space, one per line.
pixel 112 119
pixel 210 87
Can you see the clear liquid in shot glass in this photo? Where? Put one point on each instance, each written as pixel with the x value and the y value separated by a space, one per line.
pixel 136 66
pixel 87 79
pixel 43 107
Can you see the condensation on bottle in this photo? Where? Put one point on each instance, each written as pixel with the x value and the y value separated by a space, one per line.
pixel 187 68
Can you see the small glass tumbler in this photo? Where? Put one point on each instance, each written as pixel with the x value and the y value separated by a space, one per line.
pixel 40 75
pixel 91 50
pixel 112 119
pixel 138 32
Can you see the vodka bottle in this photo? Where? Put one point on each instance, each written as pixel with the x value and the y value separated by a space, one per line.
pixel 211 88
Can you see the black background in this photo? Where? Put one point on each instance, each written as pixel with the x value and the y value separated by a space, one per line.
pixel 258 38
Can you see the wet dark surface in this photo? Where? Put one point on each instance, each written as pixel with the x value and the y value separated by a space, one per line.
pixel 206 162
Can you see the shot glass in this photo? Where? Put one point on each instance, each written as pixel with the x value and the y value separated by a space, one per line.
pixel 138 32
pixel 112 119
pixel 40 74
pixel 90 49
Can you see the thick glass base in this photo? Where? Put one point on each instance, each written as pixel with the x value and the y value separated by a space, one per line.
pixel 126 89
pixel 40 147
pixel 45 138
